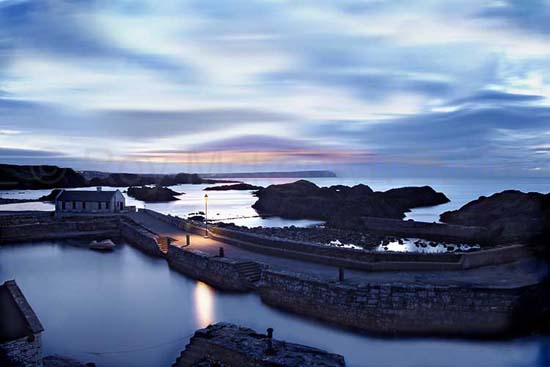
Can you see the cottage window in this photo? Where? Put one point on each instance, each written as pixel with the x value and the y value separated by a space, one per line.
pixel 108 205
pixel 63 206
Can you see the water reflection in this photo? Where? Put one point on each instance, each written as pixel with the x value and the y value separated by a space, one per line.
pixel 203 298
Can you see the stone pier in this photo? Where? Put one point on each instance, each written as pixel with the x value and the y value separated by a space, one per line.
pixel 230 345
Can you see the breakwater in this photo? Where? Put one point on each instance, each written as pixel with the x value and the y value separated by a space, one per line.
pixel 385 308
pixel 220 272
pixel 39 226
pixel 399 308
pixel 353 258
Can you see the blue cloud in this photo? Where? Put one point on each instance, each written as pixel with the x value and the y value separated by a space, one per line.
pixel 489 96
pixel 531 15
pixel 57 27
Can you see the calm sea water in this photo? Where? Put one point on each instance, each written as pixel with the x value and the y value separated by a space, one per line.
pixel 235 206
pixel 127 309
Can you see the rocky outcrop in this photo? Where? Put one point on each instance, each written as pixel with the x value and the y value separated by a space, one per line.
pixel 340 205
pixel 133 179
pixel 38 177
pixel 510 216
pixel 51 196
pixel 153 194
pixel 50 177
pixel 225 344
pixel 239 186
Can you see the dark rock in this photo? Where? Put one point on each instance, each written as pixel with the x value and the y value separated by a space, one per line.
pixel 226 344
pixel 38 177
pixel 133 179
pixel 239 186
pixel 510 216
pixel 153 194
pixel 341 206
pixel 415 197
pixel 51 196
pixel 15 201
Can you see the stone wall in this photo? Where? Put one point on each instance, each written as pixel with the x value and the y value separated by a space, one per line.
pixel 395 308
pixel 24 352
pixel 360 259
pixel 39 228
pixel 219 272
pixel 140 237
pixel 167 218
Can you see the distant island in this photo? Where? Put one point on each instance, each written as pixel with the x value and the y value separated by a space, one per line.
pixel 50 177
pixel 288 174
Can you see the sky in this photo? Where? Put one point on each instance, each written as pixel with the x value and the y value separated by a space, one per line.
pixel 381 87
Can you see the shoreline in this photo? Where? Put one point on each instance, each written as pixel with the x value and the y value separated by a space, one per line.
pixel 389 307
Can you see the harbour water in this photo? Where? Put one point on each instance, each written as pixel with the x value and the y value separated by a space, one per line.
pixel 236 206
pixel 127 309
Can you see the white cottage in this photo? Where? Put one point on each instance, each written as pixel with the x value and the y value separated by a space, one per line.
pixel 73 201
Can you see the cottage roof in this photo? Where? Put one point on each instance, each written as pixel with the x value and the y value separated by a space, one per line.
pixel 77 195
pixel 17 319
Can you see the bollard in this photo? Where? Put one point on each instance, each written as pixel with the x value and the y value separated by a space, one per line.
pixel 341 274
pixel 270 350
pixel 222 252
pixel 187 240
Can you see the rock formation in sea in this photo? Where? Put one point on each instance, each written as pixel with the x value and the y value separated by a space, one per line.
pixel 510 216
pixel 133 179
pixel 238 186
pixel 341 205
pixel 153 194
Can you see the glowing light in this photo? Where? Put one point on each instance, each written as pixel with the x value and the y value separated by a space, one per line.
pixel 204 304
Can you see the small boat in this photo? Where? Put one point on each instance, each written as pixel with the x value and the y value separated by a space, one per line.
pixel 105 245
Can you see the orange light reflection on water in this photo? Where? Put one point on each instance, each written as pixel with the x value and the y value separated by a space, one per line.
pixel 204 304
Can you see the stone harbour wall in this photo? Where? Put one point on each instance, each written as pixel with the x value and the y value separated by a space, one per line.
pixel 24 352
pixel 360 259
pixel 219 272
pixel 42 228
pixel 395 308
pixel 141 238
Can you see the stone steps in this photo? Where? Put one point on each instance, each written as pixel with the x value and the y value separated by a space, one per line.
pixel 250 270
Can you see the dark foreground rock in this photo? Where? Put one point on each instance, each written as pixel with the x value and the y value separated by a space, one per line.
pixel 510 216
pixel 153 194
pixel 342 205
pixel 239 186
pixel 230 345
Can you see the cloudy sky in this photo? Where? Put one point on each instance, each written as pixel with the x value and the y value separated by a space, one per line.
pixel 438 87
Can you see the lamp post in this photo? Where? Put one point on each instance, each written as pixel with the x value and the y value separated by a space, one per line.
pixel 206 215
